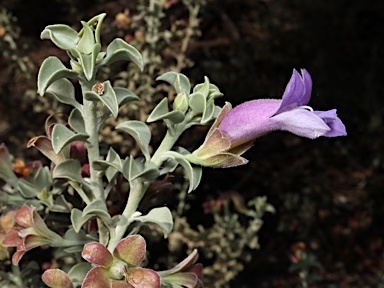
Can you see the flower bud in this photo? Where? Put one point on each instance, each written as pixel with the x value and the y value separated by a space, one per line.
pixel 181 102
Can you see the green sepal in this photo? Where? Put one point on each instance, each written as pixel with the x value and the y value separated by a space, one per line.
pixel 27 189
pixel 64 92
pixel 87 39
pixel 197 102
pixel 118 50
pixel 69 169
pixel 96 208
pixel 62 136
pixel 61 35
pixel 193 174
pixel 178 81
pixel 140 132
pixel 76 121
pixel 160 216
pixel 180 280
pixel 108 98
pixel 51 70
pixel 124 96
pixel 161 112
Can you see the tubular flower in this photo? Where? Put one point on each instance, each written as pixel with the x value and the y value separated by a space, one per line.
pixel 32 233
pixel 44 145
pixel 7 222
pixel 185 274
pixel 235 129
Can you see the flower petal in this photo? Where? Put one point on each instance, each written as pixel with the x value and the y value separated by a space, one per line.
pixel 56 278
pixel 96 277
pixel 143 278
pixel 97 254
pixel 24 216
pixel 33 241
pixel 7 220
pixel 301 122
pixel 39 224
pixel 12 238
pixel 334 122
pixel 187 280
pixel 220 160
pixel 294 94
pixel 16 257
pixel 223 112
pixel 197 269
pixel 214 143
pixel 186 263
pixel 308 87
pixel 298 91
pixel 120 284
pixel 44 145
pixel 249 120
pixel 131 250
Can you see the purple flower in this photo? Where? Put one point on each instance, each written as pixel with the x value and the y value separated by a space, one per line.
pixel 235 129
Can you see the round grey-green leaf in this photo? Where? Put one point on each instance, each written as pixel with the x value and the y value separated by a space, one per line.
pixel 161 216
pixel 140 132
pixel 178 81
pixel 118 50
pixel 69 169
pixel 61 35
pixel 63 91
pixel 62 136
pixel 51 70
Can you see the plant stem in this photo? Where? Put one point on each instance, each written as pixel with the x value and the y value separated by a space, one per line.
pixel 69 243
pixel 166 145
pixel 90 119
pixel 135 195
pixel 16 277
pixel 139 187
pixel 91 128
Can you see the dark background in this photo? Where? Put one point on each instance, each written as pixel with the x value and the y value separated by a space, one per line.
pixel 328 193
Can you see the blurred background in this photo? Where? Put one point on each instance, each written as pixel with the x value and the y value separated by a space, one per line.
pixel 327 193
